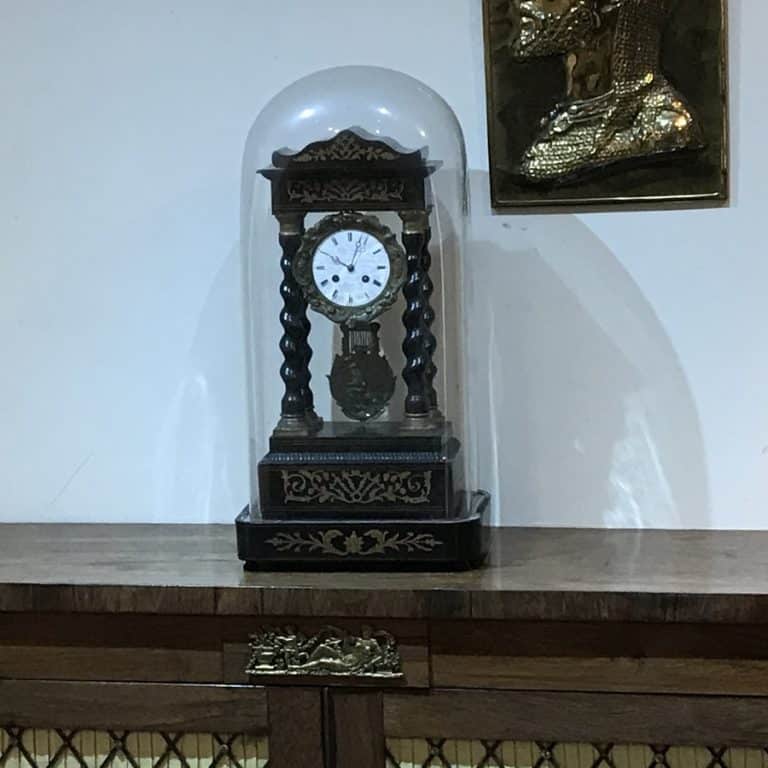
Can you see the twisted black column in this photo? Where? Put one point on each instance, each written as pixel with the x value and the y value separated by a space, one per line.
pixel 294 343
pixel 430 341
pixel 417 402
pixel 306 390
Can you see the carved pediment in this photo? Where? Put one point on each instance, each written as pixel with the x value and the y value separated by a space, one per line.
pixel 351 169
pixel 350 146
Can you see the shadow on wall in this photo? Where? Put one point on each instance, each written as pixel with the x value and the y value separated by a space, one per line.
pixel 581 411
pixel 200 462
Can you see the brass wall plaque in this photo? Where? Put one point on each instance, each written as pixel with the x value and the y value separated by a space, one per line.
pixel 594 102
pixel 330 652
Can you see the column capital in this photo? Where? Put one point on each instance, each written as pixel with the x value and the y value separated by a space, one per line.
pixel 415 222
pixel 291 224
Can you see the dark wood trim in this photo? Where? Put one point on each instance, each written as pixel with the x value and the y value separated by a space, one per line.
pixel 159 648
pixel 296 728
pixel 358 729
pixel 133 706
pixel 107 630
pixel 552 575
pixel 627 675
pixel 551 639
pixel 104 598
pixel 436 601
pixel 708 659
pixel 577 717
pixel 151 665
pixel 334 600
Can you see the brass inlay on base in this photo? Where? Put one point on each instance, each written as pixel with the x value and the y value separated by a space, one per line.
pixel 364 544
pixel 354 486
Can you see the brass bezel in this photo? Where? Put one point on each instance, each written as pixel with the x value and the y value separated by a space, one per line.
pixel 302 266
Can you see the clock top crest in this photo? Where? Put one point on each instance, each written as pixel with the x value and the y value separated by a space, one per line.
pixel 351 169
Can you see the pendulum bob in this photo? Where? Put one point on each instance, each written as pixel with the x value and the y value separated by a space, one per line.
pixel 362 381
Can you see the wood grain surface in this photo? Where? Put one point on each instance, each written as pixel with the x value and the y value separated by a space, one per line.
pixel 357 730
pixel 118 664
pixel 190 649
pixel 296 727
pixel 709 659
pixel 133 706
pixel 627 675
pixel 534 574
pixel 577 717
pixel 579 640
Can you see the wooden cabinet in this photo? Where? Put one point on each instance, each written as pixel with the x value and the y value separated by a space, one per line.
pixel 127 647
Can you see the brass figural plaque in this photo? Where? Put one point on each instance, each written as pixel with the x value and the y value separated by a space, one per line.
pixel 331 652
pixel 606 101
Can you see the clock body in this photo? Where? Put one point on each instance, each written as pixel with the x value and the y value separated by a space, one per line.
pixel 353 213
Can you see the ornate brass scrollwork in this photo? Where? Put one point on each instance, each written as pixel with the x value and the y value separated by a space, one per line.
pixel 330 652
pixel 345 190
pixel 346 146
pixel 317 486
pixel 366 544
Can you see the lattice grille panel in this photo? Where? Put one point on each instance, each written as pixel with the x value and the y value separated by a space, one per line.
pixel 448 753
pixel 31 748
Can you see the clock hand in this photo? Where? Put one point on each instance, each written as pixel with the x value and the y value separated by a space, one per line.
pixel 334 258
pixel 358 249
pixel 351 265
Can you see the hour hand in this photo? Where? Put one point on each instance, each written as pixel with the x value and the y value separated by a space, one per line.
pixel 334 258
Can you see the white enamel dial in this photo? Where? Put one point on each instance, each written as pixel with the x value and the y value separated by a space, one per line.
pixel 351 268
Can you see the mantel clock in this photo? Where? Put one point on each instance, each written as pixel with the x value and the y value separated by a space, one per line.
pixel 374 478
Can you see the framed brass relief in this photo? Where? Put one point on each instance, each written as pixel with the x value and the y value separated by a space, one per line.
pixel 602 102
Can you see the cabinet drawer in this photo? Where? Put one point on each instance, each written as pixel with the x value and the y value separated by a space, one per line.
pixel 632 658
pixel 211 649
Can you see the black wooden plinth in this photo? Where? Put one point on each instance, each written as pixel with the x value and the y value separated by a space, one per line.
pixel 353 472
pixel 454 544
pixel 358 497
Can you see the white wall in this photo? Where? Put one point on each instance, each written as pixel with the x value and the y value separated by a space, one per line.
pixel 629 380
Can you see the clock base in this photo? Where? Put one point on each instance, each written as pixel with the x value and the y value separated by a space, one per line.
pixel 347 471
pixel 452 544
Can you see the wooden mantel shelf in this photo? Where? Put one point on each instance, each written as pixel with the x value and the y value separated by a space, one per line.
pixel 534 574
pixel 571 648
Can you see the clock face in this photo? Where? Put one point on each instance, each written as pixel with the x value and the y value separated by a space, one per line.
pixel 351 268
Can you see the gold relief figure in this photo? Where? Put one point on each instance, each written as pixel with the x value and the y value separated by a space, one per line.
pixel 346 655
pixel 619 106
pixel 331 651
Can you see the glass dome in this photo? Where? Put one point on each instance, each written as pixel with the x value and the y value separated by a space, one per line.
pixel 353 215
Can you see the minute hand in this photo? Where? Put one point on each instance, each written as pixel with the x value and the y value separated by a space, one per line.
pixel 358 250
